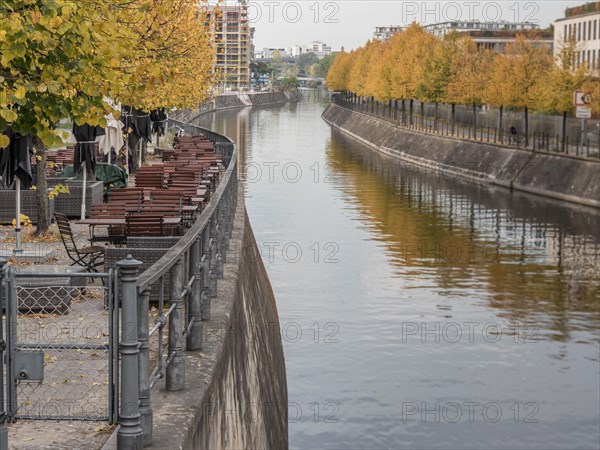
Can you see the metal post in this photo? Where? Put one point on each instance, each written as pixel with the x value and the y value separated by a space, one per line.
pixel 205 263
pixel 3 429
pixel 146 418
pixel 129 435
pixel 220 216
pixel 176 369
pixel 83 188
pixel 212 271
pixel 18 248
pixel 194 337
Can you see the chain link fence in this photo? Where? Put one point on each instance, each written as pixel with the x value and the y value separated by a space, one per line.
pixel 61 358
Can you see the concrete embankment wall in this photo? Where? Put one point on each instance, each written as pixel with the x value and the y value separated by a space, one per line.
pixel 235 393
pixel 562 177
pixel 231 101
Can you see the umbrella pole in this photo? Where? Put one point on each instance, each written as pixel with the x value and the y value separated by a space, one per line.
pixel 83 190
pixel 18 248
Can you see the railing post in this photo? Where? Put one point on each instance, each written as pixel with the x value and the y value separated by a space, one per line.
pixel 146 418
pixel 3 429
pixel 176 369
pixel 129 435
pixel 206 273
pixel 212 271
pixel 194 337
pixel 220 214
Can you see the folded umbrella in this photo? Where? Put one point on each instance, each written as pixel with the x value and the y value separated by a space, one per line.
pixel 85 153
pixel 15 167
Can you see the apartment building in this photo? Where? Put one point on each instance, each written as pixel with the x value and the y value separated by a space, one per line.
pixel 487 35
pixel 233 36
pixel 580 25
pixel 470 26
pixel 384 33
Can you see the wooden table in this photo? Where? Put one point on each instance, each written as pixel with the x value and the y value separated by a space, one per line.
pixel 116 222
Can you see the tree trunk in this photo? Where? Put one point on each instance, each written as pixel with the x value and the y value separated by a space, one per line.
pixel 474 121
pixel 453 119
pixel 435 119
pixel 500 124
pixel 422 114
pixel 526 127
pixel 41 193
pixel 403 112
pixel 411 111
pixel 564 132
pixel 144 150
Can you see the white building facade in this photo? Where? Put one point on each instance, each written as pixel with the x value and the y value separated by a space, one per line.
pixel 441 29
pixel 582 27
pixel 384 33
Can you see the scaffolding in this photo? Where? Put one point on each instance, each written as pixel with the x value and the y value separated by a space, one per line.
pixel 233 37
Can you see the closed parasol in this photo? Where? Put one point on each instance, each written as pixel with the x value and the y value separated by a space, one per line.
pixel 15 167
pixel 85 153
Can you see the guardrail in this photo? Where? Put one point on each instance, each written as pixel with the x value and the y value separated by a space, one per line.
pixel 186 280
pixel 190 268
pixel 407 117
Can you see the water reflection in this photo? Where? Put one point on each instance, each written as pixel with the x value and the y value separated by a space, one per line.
pixel 537 260
pixel 442 293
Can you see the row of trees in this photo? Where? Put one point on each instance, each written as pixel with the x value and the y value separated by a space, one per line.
pixel 415 65
pixel 64 59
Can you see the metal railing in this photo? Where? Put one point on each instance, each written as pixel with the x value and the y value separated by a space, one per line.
pixel 190 268
pixel 401 113
pixel 186 279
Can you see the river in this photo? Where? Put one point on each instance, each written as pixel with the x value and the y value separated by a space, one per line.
pixel 419 310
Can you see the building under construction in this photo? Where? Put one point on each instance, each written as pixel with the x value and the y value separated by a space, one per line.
pixel 233 37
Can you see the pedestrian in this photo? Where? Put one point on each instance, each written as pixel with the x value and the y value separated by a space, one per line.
pixel 513 135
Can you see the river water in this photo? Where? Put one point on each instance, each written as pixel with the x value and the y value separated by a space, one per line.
pixel 419 310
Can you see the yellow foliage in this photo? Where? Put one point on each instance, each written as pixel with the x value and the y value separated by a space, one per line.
pixel 413 64
pixel 24 221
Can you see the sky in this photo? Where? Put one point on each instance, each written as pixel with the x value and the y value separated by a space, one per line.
pixel 350 23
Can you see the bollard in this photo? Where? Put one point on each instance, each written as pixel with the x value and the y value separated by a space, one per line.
pixel 194 337
pixel 176 369
pixel 146 418
pixel 129 435
pixel 3 429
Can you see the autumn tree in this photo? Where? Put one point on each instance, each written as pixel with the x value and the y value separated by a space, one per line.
pixel 339 72
pixel 56 62
pixel 517 73
pixel 440 67
pixel 408 51
pixel 62 59
pixel 554 90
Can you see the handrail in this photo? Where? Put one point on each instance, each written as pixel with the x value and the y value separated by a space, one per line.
pixel 164 264
pixel 191 268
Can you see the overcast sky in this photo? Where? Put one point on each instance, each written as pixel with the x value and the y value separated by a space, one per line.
pixel 349 23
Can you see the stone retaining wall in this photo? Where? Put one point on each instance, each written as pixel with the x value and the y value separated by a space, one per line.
pixel 573 179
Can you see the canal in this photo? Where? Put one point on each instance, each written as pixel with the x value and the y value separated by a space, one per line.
pixel 419 310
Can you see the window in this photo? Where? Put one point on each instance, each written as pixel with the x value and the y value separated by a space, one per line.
pixel 583 31
pixel 565 35
pixel 589 31
pixel 589 62
pixel 593 59
pixel 578 31
pixel 595 25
